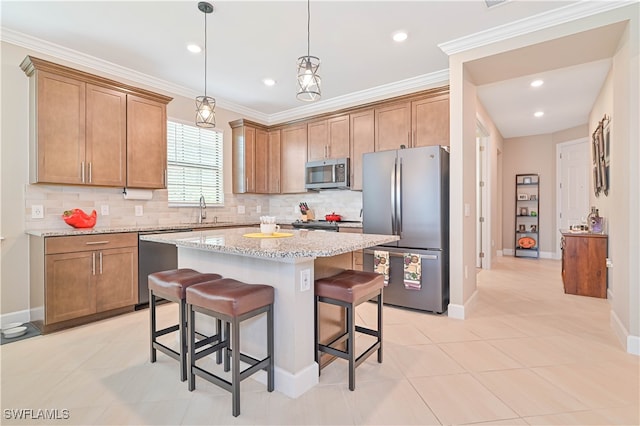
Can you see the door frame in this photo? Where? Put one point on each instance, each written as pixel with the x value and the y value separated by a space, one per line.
pixel 483 196
pixel 557 253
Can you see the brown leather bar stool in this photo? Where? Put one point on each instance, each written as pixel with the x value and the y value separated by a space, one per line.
pixel 349 289
pixel 232 302
pixel 171 285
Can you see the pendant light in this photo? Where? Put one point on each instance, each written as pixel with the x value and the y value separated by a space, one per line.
pixel 308 78
pixel 205 105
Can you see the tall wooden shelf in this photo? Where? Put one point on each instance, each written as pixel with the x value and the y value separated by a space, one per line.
pixel 526 241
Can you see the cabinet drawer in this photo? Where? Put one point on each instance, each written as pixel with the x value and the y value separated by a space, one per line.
pixel 90 242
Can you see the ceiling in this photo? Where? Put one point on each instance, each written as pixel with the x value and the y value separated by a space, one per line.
pixel 251 40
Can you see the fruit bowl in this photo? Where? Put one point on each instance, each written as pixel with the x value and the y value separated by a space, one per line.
pixel 79 219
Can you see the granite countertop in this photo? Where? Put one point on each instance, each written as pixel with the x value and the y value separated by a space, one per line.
pixel 133 228
pixel 302 244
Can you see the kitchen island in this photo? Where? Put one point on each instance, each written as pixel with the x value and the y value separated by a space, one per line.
pixel 289 265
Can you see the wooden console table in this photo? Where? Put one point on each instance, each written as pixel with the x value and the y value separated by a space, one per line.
pixel 584 264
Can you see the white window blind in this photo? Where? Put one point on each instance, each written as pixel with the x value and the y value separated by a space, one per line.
pixel 194 162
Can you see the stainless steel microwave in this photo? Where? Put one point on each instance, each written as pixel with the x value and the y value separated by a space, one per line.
pixel 327 174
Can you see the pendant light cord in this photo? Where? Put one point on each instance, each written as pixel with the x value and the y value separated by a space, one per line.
pixel 205 54
pixel 308 29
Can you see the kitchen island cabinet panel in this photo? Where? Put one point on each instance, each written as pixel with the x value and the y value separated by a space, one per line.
pixel 146 143
pixel 584 264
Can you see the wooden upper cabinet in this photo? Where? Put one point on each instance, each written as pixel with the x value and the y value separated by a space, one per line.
pixel 274 162
pixel 86 129
pixel 328 138
pixel 251 157
pixel 293 158
pixel 318 140
pixel 106 135
pixel 362 141
pixel 338 128
pixel 59 136
pixel 430 121
pixel 393 126
pixel 261 162
pixel 146 143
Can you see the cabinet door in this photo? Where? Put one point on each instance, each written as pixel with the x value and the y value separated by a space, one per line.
pixel 362 141
pixel 393 126
pixel 146 143
pixel 318 140
pixel 274 162
pixel 60 134
pixel 106 133
pixel 262 162
pixel 116 278
pixel 293 158
pixel 69 288
pixel 430 121
pixel 338 128
pixel 249 159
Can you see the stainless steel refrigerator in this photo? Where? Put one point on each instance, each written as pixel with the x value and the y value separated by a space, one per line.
pixel 406 193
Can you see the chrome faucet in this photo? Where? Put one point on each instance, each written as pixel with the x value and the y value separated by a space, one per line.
pixel 203 210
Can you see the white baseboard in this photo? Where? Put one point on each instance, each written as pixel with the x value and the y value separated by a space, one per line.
pixel 19 316
pixel 461 311
pixel 631 343
pixel 292 385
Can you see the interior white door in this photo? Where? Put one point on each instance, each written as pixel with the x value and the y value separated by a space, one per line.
pixel 574 171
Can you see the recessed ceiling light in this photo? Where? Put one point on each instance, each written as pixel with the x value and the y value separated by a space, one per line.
pixel 538 113
pixel 400 36
pixel 194 48
pixel 269 82
pixel 537 83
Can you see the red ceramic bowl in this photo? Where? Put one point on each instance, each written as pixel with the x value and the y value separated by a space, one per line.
pixel 333 217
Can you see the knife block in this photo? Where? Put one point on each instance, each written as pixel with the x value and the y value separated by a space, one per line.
pixel 308 216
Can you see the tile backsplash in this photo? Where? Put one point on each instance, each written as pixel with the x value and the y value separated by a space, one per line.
pixel 55 199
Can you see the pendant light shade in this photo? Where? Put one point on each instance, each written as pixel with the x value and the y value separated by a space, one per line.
pixel 308 78
pixel 205 105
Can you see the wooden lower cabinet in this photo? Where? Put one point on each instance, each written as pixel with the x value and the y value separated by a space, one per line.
pixel 78 279
pixel 584 264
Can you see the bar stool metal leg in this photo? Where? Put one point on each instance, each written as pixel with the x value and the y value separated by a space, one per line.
pixel 235 367
pixel 152 322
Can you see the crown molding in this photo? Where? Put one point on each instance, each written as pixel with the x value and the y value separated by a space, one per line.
pixel 409 85
pixel 102 66
pixel 528 25
pixel 369 95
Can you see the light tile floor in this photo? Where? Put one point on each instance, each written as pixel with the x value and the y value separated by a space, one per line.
pixel 528 354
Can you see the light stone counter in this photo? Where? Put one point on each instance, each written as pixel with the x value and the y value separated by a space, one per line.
pixel 69 231
pixel 302 245
pixel 287 264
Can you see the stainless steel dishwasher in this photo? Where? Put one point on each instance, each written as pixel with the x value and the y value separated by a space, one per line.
pixel 154 257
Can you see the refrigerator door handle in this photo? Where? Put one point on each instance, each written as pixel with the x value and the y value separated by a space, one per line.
pixel 393 197
pixel 399 199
